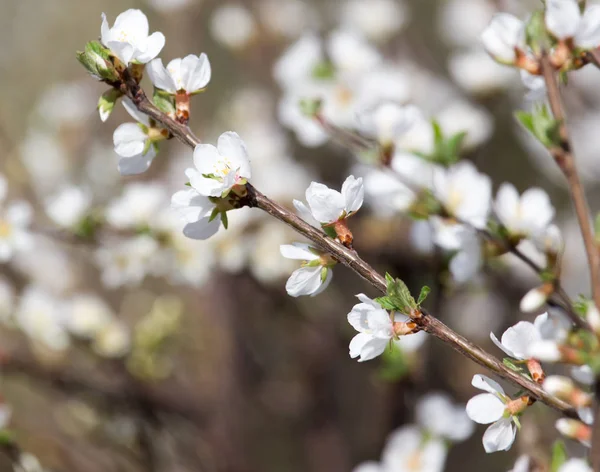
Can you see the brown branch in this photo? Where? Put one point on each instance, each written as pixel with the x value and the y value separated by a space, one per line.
pixel 120 391
pixel 352 260
pixel 565 159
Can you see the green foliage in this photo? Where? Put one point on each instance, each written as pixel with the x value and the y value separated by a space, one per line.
pixel 446 149
pixel 425 290
pixel 107 102
pixel 542 125
pixel 398 296
pixel 163 101
pixel 559 456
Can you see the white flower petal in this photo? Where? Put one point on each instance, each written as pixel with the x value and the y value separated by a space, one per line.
pixel 298 251
pixel 485 408
pixel 202 229
pixel 198 72
pixel 353 192
pixel 499 436
pixel 562 18
pixel 230 145
pixel 304 281
pixel 485 383
pixel 326 205
pixel 160 77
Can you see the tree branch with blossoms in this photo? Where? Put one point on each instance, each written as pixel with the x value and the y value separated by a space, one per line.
pixel 219 182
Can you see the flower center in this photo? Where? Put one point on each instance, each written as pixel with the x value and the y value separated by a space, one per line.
pixel 455 198
pixel 415 461
pixel 343 95
pixel 5 229
pixel 123 36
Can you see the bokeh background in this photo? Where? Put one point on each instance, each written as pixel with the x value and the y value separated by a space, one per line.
pixel 208 365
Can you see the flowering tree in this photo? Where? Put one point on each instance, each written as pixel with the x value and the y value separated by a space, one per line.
pixel 410 162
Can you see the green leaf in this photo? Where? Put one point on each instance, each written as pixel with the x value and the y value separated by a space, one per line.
pixel 423 295
pixel 107 102
pixel 330 231
pixel 324 271
pixel 7 437
pixel 386 303
pixel 224 219
pixel 399 294
pixel 214 214
pixel 526 119
pixel 164 102
pixel 508 362
pixel 559 456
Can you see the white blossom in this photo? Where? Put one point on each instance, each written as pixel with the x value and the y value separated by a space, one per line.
pixel 526 215
pixel 15 218
pixel 41 316
pixel 128 39
pixel 328 206
pixel 218 169
pixel 190 74
pixel 503 37
pixel 442 418
pixel 137 207
pixel 534 300
pixel 196 211
pixel 408 450
pixel 113 340
pixel 575 465
pixel 477 73
pixel 518 339
pixel 375 329
pixel 388 121
pixel 232 25
pixel 565 21
pixel 376 19
pixel 464 192
pixel 135 143
pixel 535 84
pixel 87 315
pixel 522 464
pixel 315 274
pixel 490 407
pixel 69 206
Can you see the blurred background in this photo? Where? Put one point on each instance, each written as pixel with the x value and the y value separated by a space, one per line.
pixel 127 352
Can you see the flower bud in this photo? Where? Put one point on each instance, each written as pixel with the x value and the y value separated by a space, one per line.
pixel 107 102
pixel 536 298
pixel 565 389
pixel 574 429
pixel 96 59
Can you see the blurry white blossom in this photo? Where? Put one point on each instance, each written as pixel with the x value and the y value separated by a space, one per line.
pixel 387 121
pixel 69 206
pixel 464 192
pixel 565 21
pixel 41 316
pixel 112 340
pixel 287 18
pixel 526 215
pixel 378 20
pixel 87 315
pixel 137 207
pixel 15 218
pixel 504 38
pixel 232 25
pixel 442 418
pixel 479 74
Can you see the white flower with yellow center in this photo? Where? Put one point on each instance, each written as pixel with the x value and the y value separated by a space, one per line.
pixel 128 39
pixel 14 219
pixel 190 74
pixel 218 169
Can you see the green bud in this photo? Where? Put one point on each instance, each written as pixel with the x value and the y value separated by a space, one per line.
pixel 107 102
pixel 96 59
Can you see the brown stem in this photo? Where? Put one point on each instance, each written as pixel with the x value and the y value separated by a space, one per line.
pixel 563 156
pixel 351 259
